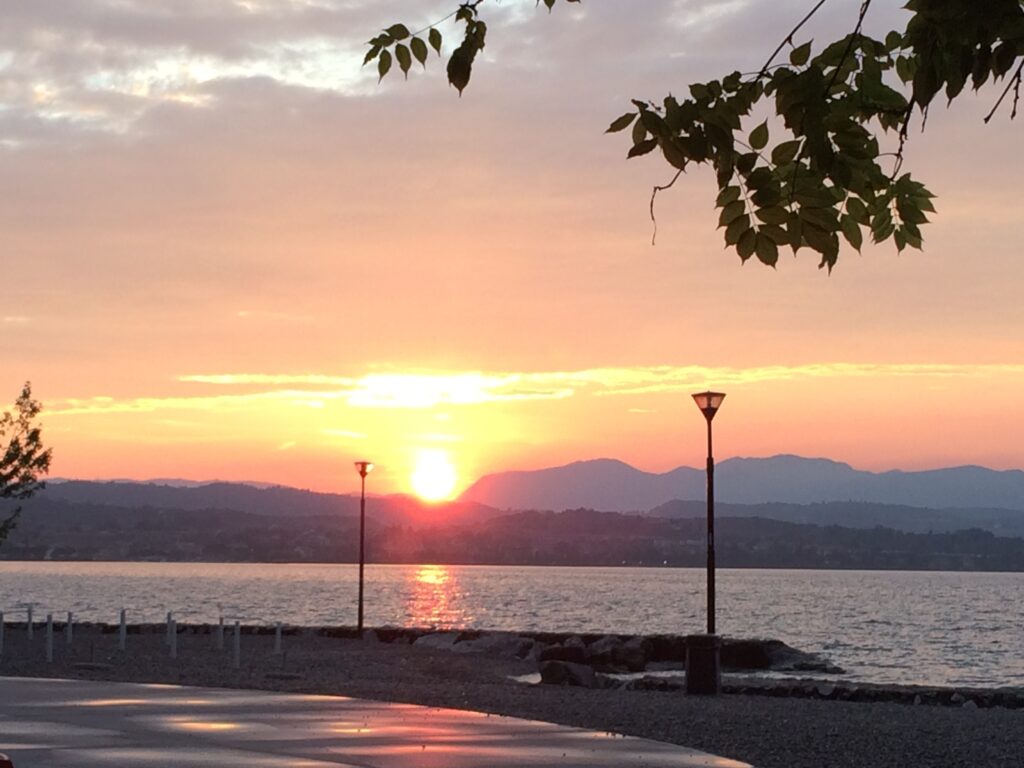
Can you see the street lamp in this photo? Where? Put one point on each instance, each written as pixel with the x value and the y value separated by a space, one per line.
pixel 709 402
pixel 363 468
pixel 703 652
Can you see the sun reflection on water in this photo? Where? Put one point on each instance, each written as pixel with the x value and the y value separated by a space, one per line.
pixel 435 598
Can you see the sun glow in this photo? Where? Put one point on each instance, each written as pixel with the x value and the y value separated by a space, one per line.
pixel 434 477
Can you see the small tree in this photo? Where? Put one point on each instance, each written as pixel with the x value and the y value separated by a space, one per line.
pixel 24 460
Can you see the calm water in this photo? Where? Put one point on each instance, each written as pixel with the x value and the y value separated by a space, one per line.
pixel 907 627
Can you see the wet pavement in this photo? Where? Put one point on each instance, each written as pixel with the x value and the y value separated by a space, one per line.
pixel 87 724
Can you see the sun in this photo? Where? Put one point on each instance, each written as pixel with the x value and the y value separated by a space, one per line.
pixel 433 478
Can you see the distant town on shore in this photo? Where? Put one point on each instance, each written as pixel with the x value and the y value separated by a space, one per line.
pixel 237 522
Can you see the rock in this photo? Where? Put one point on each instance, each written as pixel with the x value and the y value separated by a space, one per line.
pixel 633 654
pixel 570 653
pixel 969 704
pixel 438 640
pixel 567 673
pixel 918 701
pixel 825 691
pixel 601 653
pixel 957 698
pixel 671 648
pixel 370 636
pixel 574 641
pixel 496 644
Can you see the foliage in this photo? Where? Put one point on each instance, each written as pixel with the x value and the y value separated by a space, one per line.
pixel 817 170
pixel 24 459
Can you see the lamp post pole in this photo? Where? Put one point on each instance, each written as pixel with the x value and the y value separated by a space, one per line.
pixel 363 467
pixel 703 670
pixel 711 535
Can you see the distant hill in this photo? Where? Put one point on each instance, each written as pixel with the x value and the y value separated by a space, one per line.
pixel 277 501
pixel 612 485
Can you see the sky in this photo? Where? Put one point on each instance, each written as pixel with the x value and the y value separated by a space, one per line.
pixel 228 252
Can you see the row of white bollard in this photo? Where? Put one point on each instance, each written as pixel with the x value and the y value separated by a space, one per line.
pixel 170 637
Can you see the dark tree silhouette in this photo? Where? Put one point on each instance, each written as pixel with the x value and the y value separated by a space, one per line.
pixel 24 460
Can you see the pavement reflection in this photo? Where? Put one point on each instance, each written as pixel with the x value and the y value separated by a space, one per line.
pixel 116 725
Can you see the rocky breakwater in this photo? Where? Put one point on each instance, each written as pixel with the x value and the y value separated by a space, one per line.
pixel 589 659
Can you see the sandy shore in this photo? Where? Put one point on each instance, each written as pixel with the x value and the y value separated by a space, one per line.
pixel 766 731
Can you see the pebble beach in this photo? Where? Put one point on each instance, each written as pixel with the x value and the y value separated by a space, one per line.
pixel 768 731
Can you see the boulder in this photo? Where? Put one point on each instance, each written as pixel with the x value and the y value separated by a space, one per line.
pixel 567 673
pixel 570 653
pixel 496 644
pixel 443 641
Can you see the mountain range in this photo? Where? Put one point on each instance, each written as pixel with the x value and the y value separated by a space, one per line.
pixel 611 485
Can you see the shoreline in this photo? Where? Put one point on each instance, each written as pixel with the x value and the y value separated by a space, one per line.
pixel 616 565
pixel 777 731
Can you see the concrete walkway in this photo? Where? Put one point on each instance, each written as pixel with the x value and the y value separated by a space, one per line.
pixel 50 723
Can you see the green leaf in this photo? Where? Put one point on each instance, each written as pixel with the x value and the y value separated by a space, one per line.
pixel 435 40
pixel 642 148
pixel 383 65
pixel 398 31
pixel 639 131
pixel 727 195
pixel 777 234
pixel 745 162
pixel 759 136
pixel 731 212
pixel 371 54
pixel 823 218
pixel 745 247
pixel 766 249
pixel 621 123
pixel 772 215
pixel 404 58
pixel 855 207
pixel 766 196
pixel 736 229
pixel 786 152
pixel 674 154
pixel 799 55
pixel 851 231
pixel 823 242
pixel 419 50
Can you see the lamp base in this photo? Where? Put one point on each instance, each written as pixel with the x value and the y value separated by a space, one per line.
pixel 703 664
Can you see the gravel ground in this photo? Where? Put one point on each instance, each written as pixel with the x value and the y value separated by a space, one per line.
pixel 767 732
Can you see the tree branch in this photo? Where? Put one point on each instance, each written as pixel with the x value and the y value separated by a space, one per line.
pixel 654 194
pixel 789 38
pixel 1013 80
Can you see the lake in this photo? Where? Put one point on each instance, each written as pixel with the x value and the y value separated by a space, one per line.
pixel 936 628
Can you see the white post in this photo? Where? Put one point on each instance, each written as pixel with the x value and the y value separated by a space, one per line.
pixel 167 637
pixel 28 624
pixel 1 633
pixel 122 637
pixel 238 645
pixel 67 629
pixel 220 634
pixel 49 637
pixel 173 628
pixel 277 639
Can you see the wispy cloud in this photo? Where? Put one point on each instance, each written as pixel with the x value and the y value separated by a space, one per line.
pixel 346 434
pixel 425 390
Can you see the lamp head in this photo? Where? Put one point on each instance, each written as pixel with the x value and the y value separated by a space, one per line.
pixel 709 402
pixel 364 467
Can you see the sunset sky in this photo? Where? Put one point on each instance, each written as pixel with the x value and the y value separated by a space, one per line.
pixel 229 253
